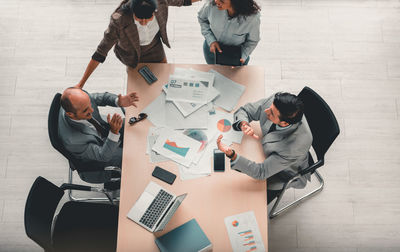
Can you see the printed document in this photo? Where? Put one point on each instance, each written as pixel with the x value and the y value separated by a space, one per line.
pixel 175 120
pixel 187 90
pixel 221 123
pixel 244 233
pixel 187 108
pixel 177 147
pixel 152 136
pixel 230 91
pixel 156 111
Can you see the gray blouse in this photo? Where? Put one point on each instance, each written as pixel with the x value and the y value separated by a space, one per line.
pixel 217 26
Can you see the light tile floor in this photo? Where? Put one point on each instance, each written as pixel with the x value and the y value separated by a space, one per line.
pixel 347 50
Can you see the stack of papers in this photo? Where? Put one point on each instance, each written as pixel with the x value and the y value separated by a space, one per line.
pixel 187 124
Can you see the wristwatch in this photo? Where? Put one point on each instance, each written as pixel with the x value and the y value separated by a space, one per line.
pixel 232 155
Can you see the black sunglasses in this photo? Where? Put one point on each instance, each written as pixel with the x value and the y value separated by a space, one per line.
pixel 140 117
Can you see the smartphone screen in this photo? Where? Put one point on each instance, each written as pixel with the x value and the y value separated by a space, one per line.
pixel 164 175
pixel 219 161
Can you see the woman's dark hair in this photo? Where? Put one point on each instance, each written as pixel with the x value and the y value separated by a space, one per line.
pixel 142 9
pixel 290 107
pixel 243 8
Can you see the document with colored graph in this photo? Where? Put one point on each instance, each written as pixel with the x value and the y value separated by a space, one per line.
pixel 221 123
pixel 244 233
pixel 177 146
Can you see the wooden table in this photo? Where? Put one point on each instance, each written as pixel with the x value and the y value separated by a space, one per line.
pixel 210 199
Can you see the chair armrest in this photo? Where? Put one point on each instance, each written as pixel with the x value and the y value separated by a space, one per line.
pixel 67 186
pixel 113 168
pixel 311 169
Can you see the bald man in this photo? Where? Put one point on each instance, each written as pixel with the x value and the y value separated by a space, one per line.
pixel 86 135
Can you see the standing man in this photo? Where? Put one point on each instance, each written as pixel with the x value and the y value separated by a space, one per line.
pixel 286 140
pixel 85 134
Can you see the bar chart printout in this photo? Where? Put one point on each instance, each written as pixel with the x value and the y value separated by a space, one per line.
pixel 243 232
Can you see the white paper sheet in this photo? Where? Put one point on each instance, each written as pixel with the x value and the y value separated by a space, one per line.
pixel 230 91
pixel 205 137
pixel 187 108
pixel 244 233
pixel 156 111
pixel 187 90
pixel 176 146
pixel 152 136
pixel 221 123
pixel 175 120
pixel 187 175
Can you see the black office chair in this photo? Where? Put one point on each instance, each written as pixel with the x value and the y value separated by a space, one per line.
pixel 324 128
pixel 79 226
pixel 78 165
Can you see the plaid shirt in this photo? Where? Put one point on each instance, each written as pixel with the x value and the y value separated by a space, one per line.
pixel 122 32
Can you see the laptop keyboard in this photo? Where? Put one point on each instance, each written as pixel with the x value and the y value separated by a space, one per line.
pixel 155 209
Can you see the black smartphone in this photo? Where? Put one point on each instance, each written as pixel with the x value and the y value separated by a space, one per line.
pixel 219 161
pixel 164 175
pixel 148 75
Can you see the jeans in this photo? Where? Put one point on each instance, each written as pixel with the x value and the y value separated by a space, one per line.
pixel 210 57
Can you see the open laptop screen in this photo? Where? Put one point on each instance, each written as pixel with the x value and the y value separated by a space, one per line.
pixel 170 212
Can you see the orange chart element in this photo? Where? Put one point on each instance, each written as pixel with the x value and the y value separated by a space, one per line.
pixel 224 125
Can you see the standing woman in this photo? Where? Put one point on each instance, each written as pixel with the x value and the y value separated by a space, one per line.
pixel 230 22
pixel 136 29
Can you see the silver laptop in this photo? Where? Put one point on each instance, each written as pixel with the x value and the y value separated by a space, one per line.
pixel 155 207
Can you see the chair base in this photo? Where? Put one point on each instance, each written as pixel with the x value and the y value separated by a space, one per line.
pixel 273 213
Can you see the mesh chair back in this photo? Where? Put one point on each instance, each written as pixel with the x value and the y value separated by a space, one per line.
pixel 40 207
pixel 323 124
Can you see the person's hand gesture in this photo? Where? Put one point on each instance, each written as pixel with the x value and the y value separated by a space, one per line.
pixel 223 147
pixel 248 130
pixel 128 100
pixel 115 123
pixel 215 46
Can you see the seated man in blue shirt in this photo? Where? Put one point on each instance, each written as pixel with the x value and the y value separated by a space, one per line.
pixel 86 135
pixel 286 140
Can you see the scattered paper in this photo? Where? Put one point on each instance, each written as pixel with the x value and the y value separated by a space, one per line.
pixel 187 123
pixel 187 108
pixel 187 90
pixel 175 120
pixel 230 91
pixel 176 146
pixel 244 233
pixel 152 136
pixel 156 111
pixel 221 123
pixel 187 175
